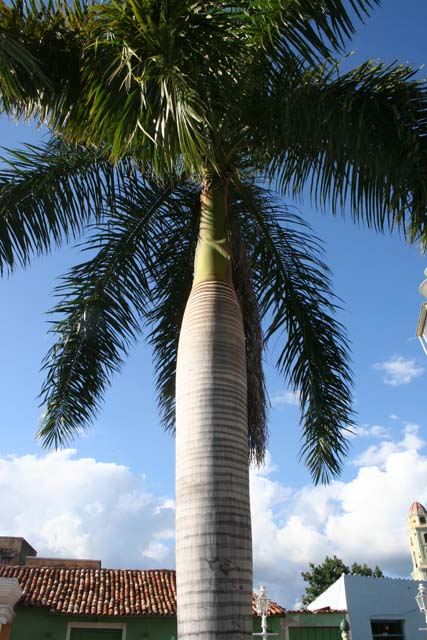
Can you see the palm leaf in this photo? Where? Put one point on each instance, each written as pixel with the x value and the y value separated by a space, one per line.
pixel 357 140
pixel 308 29
pixel 292 287
pixel 172 276
pixel 102 304
pixel 147 76
pixel 254 341
pixel 44 58
pixel 48 194
pixel 20 72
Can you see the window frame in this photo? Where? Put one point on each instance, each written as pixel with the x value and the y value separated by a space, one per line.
pixel 401 636
pixel 95 625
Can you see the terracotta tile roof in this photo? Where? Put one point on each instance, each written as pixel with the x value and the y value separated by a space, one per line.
pixel 316 612
pixel 101 592
pixel 274 609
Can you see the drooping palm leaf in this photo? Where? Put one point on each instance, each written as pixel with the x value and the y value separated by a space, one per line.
pixel 172 277
pixel 308 29
pixel 295 301
pixel 254 340
pixel 50 33
pixel 102 304
pixel 48 194
pixel 20 72
pixel 357 139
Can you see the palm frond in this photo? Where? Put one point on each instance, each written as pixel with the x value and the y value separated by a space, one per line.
pixel 357 140
pixel 102 305
pixel 254 342
pixel 50 193
pixel 20 73
pixel 44 59
pixel 291 284
pixel 148 74
pixel 172 276
pixel 308 29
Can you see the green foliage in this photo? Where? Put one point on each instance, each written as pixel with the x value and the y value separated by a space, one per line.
pixel 142 99
pixel 49 195
pixel 323 575
pixel 363 570
pixel 141 244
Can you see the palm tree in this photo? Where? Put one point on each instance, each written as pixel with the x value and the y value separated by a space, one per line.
pixel 165 118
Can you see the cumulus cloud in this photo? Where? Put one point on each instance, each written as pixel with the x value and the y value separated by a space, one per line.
pixel 282 398
pixel 368 431
pixel 379 454
pixel 80 507
pixel 356 520
pixel 399 370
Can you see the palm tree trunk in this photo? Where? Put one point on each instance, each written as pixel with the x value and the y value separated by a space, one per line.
pixel 214 547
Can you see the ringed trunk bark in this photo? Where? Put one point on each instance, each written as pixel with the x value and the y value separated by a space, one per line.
pixel 213 527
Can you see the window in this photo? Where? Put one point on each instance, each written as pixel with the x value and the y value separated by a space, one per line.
pixel 422 520
pixel 425 537
pixel 96 634
pixel 387 629
pixel 95 631
pixel 314 633
pixel 6 556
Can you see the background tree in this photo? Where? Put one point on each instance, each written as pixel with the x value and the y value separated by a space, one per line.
pixel 326 573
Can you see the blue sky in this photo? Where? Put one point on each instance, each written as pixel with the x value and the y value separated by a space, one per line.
pixel 112 495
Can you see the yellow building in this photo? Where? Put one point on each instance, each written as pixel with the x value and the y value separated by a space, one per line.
pixel 417 529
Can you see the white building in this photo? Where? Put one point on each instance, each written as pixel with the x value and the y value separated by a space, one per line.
pixel 377 607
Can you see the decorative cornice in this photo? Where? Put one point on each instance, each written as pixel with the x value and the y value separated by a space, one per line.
pixel 7 614
pixel 10 591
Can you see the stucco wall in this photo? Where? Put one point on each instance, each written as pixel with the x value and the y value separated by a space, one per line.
pixel 313 626
pixel 383 599
pixel 18 547
pixel 367 599
pixel 37 624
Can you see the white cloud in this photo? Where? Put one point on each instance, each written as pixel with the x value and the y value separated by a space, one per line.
pixel 66 506
pixel 363 520
pixel 282 398
pixel 367 431
pixel 399 370
pixel 380 453
pixel 71 507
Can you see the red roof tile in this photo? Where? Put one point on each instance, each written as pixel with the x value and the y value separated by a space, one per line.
pixel 316 612
pixel 101 592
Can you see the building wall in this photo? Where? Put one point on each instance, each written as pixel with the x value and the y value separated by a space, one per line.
pixel 314 633
pixel 38 624
pixel 304 625
pixel 417 529
pixel 69 563
pixel 382 599
pixel 13 550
